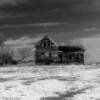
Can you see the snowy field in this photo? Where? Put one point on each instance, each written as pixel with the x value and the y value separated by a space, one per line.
pixel 74 82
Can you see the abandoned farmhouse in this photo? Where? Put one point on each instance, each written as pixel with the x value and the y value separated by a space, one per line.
pixel 47 51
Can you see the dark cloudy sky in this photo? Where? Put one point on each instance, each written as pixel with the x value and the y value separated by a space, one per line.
pixel 23 17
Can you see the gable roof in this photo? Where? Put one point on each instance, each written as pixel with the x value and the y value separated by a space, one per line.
pixel 46 37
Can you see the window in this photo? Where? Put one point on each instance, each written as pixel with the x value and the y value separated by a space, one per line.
pixel 46 43
pixel 42 53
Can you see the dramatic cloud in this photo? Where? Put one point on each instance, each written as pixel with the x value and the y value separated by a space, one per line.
pixel 10 2
pixel 90 29
pixel 30 5
pixel 22 47
pixel 21 42
pixel 36 24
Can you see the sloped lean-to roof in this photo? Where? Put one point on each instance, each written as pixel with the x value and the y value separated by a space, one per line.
pixel 71 48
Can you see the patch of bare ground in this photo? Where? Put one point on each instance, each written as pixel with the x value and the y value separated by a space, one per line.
pixel 68 95
pixel 60 78
pixel 6 79
pixel 29 81
pixel 9 87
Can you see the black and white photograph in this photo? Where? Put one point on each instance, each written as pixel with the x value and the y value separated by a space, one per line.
pixel 49 49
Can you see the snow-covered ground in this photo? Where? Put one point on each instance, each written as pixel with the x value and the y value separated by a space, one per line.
pixel 73 82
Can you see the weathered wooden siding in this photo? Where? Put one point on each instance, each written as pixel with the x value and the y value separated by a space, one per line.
pixel 47 51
